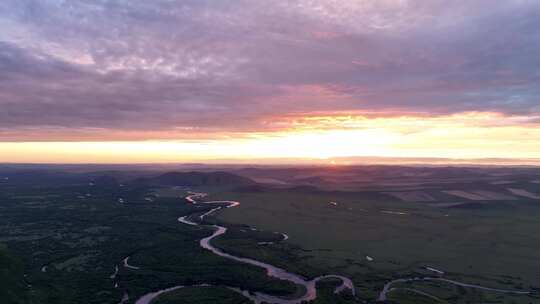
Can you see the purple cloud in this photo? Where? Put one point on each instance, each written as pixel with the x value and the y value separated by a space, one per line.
pixel 227 66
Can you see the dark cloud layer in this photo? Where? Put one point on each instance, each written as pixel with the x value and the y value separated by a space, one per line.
pixel 223 66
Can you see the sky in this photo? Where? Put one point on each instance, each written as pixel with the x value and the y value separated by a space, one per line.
pixel 193 80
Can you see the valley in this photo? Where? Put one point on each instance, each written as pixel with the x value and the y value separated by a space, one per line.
pixel 120 238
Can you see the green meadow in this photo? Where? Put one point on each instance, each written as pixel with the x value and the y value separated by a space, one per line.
pixel 68 243
pixel 337 232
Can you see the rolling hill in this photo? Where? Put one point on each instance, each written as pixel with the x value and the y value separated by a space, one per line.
pixel 199 179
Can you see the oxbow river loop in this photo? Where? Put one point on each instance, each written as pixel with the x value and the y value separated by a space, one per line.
pixel 272 271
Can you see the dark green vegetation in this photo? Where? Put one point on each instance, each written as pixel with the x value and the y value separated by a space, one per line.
pixel 70 237
pixel 14 289
pixel 63 233
pixel 202 295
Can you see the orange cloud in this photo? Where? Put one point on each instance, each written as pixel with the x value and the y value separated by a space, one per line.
pixel 464 135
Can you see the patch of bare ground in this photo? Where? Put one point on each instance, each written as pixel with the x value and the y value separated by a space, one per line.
pixel 412 196
pixel 523 193
pixel 465 194
pixel 449 205
pixel 264 180
pixel 494 196
pixel 480 195
pixel 502 182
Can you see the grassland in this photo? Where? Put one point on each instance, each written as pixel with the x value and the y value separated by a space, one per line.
pixel 202 295
pixel 493 247
pixel 62 241
pixel 13 290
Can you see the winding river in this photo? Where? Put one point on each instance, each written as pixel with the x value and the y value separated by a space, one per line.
pixel 310 292
pixel 387 288
pixel 272 271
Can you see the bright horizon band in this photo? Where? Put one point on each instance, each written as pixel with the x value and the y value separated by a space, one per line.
pixel 470 136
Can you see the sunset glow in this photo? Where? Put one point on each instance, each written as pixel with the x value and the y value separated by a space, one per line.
pixel 195 82
pixel 464 136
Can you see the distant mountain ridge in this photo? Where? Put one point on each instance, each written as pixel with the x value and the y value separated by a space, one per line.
pixel 194 178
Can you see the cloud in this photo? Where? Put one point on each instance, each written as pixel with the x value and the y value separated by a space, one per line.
pixel 227 67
